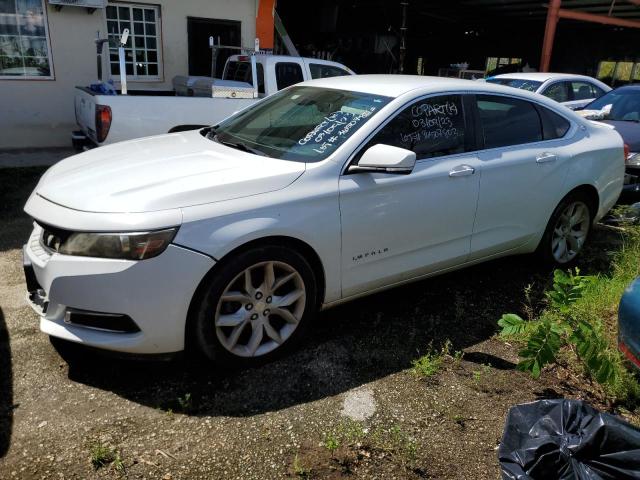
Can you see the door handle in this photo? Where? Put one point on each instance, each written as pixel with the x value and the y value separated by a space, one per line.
pixel 546 158
pixel 462 171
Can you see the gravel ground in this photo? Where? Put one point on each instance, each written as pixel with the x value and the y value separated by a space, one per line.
pixel 351 381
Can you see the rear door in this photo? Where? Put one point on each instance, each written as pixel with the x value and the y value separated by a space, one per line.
pixel 524 162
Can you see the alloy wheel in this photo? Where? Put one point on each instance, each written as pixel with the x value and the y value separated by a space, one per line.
pixel 260 309
pixel 570 232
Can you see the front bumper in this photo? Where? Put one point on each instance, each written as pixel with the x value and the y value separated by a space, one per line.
pixel 155 294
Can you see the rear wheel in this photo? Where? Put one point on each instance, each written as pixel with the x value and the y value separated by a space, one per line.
pixel 567 230
pixel 256 305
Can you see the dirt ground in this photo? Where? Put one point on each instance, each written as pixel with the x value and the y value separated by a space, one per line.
pixel 345 405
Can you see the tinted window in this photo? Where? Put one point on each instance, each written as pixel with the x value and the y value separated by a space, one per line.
pixel 508 121
pixel 431 127
pixel 304 123
pixel 553 125
pixel 325 71
pixel 583 91
pixel 558 91
pixel 288 74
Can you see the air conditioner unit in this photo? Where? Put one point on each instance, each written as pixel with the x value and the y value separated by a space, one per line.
pixel 79 3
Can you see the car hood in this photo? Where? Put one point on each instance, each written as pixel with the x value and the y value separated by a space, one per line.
pixel 160 173
pixel 629 131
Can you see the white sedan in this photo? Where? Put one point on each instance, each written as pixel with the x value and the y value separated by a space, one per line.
pixel 228 239
pixel 573 91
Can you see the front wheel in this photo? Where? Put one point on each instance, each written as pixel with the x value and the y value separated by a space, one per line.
pixel 567 230
pixel 255 306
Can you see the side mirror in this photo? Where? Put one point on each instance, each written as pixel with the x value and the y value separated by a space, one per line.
pixel 385 158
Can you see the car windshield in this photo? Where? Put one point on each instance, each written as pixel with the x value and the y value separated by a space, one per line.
pixel 529 85
pixel 301 123
pixel 621 105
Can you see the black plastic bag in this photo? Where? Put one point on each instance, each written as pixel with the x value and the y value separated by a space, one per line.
pixel 568 439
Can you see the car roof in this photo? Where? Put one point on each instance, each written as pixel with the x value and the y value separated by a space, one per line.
pixel 632 86
pixel 541 76
pixel 397 85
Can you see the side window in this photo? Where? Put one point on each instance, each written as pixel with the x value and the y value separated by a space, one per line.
pixel 583 91
pixel 325 71
pixel 553 125
pixel 508 121
pixel 558 91
pixel 431 127
pixel 288 74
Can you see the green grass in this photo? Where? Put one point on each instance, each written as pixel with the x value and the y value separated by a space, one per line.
pixel 429 364
pixel 597 305
pixel 103 455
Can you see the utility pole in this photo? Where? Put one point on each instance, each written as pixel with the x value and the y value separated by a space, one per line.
pixel 403 35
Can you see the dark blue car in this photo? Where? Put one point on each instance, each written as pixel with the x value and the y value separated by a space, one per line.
pixel 629 323
pixel 623 105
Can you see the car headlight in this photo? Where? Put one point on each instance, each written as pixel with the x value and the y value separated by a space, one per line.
pixel 633 159
pixel 128 246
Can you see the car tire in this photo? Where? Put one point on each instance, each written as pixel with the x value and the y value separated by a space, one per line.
pixel 239 319
pixel 567 230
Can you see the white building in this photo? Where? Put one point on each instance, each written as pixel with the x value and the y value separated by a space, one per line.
pixel 46 50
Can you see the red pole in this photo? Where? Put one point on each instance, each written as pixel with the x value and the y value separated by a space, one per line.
pixel 590 17
pixel 549 34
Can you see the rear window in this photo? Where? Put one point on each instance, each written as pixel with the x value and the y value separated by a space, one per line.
pixel 318 70
pixel 241 72
pixel 508 121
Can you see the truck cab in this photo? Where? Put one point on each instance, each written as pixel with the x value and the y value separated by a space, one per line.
pixel 275 72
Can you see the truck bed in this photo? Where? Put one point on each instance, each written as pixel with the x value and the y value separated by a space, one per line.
pixel 150 114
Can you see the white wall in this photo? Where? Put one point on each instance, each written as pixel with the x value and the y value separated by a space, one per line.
pixel 40 113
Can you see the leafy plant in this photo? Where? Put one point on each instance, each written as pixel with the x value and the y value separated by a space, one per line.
pixel 567 289
pixel 427 365
pixel 558 328
pixel 331 443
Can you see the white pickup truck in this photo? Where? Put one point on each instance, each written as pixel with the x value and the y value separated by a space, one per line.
pixel 106 119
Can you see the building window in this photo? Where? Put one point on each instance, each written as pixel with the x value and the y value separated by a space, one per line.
pixel 24 40
pixel 143 48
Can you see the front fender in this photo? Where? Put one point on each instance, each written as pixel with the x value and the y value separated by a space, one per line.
pixel 216 230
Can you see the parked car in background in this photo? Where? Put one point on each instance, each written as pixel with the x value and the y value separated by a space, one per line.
pixel 229 238
pixel 106 119
pixel 629 323
pixel 573 91
pixel 620 108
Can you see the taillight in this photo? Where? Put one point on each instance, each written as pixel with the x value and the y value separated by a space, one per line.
pixel 627 150
pixel 103 122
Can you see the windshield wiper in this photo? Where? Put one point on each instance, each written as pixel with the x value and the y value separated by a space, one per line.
pixel 240 146
pixel 211 132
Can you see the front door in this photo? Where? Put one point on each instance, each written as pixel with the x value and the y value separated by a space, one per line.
pixel 397 227
pixel 225 32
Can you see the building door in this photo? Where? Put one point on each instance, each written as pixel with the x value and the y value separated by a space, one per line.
pixel 198 31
